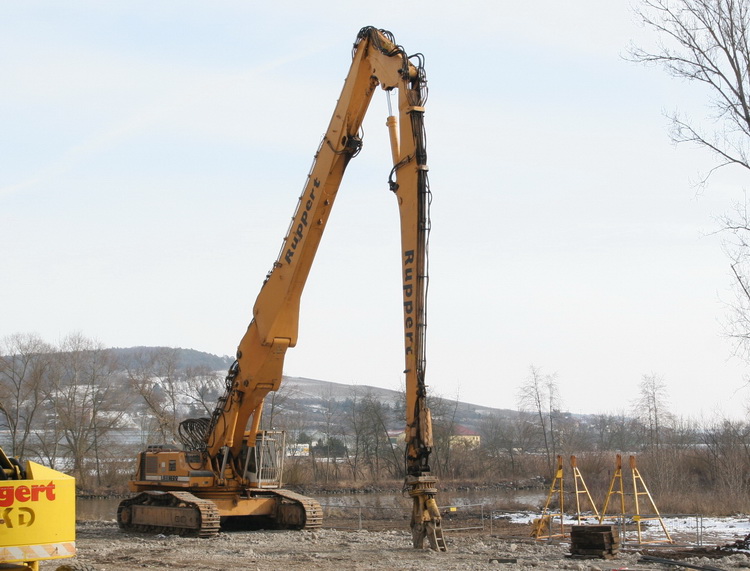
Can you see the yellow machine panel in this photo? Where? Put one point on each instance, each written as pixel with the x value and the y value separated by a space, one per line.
pixel 37 516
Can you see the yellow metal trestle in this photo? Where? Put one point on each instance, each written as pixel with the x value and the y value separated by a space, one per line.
pixel 640 490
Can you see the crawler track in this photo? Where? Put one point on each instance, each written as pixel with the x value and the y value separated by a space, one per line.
pixel 297 511
pixel 182 513
pixel 170 513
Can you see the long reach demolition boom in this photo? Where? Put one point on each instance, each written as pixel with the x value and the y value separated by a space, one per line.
pixel 230 469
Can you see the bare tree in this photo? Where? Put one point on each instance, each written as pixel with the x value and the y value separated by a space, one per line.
pixel 46 442
pixel 369 449
pixel 572 436
pixel 23 365
pixel 725 456
pixel 153 375
pixel 354 433
pixel 297 465
pixel 708 42
pixel 502 443
pixel 202 389
pixel 652 409
pixel 444 413
pixel 614 432
pixel 377 449
pixel 86 403
pixel 539 394
pixel 736 244
pixel 277 404
pixel 332 432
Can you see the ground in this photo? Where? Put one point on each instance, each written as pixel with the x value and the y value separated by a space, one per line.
pixel 103 547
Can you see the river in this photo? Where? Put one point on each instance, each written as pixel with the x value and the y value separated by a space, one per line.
pixel 105 509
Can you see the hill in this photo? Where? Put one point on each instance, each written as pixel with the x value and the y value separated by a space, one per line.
pixel 313 396
pixel 186 358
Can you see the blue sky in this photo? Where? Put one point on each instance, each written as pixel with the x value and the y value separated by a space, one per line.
pixel 151 155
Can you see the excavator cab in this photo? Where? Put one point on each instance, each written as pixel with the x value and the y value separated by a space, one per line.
pixel 264 462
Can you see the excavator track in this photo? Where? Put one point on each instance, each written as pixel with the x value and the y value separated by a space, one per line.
pixel 170 513
pixel 297 511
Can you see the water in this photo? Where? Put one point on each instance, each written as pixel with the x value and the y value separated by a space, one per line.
pixel 97 509
pixel 105 509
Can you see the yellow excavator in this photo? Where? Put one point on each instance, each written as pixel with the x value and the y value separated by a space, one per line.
pixel 229 471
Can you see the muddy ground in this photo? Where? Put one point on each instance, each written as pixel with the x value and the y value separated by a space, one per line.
pixel 103 547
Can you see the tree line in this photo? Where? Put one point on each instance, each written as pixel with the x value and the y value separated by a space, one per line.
pixel 75 407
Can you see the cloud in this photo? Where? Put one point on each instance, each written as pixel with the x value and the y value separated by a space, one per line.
pixel 153 98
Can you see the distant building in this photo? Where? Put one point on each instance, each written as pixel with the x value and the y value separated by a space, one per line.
pixel 461 436
pixel 299 450
pixel 396 436
pixel 466 437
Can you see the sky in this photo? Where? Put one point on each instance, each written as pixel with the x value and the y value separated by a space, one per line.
pixel 152 154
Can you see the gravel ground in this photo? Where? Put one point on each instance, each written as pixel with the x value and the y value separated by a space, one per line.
pixel 103 547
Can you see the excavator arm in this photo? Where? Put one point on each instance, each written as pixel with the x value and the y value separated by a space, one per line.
pixel 377 61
